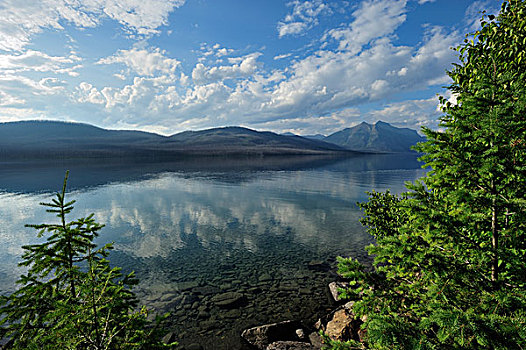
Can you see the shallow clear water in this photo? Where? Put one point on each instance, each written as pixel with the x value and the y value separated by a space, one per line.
pixel 268 229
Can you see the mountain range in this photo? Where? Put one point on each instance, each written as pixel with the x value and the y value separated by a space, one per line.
pixel 53 139
pixel 378 137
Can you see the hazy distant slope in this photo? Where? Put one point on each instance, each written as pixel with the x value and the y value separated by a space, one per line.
pixel 57 133
pixel 230 139
pixel 319 137
pixel 380 137
pixel 44 139
pixel 58 139
pixel 315 137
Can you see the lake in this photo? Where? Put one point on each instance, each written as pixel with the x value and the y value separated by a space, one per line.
pixel 265 231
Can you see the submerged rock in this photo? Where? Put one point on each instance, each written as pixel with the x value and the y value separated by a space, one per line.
pixel 207 290
pixel 229 300
pixel 263 336
pixel 320 266
pixel 185 286
pixel 265 277
pixel 169 338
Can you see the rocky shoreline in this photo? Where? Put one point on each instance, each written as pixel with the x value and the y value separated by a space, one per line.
pixel 239 292
pixel 341 324
pixel 210 312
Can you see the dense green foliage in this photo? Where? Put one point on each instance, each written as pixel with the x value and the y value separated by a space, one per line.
pixel 70 297
pixel 450 257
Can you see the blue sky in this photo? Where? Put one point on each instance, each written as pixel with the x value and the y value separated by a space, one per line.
pixel 313 66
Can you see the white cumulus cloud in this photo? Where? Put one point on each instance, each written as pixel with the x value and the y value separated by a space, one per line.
pixel 37 61
pixel 373 19
pixel 144 62
pixel 317 93
pixel 21 20
pixel 304 16
pixel 241 67
pixel 85 92
pixel 410 113
pixel 9 100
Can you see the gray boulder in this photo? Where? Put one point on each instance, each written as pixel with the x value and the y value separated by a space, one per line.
pixel 262 336
pixel 334 289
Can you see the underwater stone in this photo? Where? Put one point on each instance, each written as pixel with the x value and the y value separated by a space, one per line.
pixel 229 300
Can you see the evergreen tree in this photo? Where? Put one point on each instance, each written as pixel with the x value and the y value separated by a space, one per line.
pixel 449 270
pixel 70 297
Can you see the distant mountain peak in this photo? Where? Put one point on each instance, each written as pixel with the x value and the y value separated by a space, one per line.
pixel 377 137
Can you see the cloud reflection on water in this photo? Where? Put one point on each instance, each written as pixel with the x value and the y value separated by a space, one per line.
pixel 158 215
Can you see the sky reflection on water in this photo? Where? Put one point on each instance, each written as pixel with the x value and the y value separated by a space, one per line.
pixel 147 209
pixel 173 223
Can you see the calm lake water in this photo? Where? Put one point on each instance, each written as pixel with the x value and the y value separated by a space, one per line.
pixel 264 231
